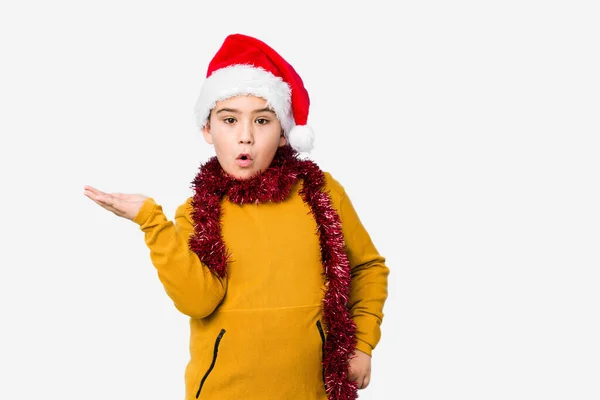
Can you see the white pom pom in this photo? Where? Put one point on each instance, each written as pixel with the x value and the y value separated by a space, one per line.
pixel 302 138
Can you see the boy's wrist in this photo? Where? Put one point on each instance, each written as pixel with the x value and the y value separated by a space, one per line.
pixel 364 347
pixel 145 212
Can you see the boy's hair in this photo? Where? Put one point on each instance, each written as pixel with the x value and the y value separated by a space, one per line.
pixel 247 66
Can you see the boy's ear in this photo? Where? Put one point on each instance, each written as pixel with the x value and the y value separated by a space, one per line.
pixel 282 140
pixel 206 132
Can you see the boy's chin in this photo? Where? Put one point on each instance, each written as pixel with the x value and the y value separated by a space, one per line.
pixel 243 174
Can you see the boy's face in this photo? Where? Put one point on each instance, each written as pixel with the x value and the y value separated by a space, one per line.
pixel 245 135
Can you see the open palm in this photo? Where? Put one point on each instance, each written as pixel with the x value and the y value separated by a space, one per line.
pixel 121 204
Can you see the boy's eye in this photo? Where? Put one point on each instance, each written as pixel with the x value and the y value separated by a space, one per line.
pixel 262 121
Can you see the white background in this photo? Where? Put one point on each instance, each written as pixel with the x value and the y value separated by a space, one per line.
pixel 465 132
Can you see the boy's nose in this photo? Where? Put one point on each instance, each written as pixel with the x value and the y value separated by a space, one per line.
pixel 246 135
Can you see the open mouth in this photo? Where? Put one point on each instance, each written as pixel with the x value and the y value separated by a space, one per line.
pixel 244 160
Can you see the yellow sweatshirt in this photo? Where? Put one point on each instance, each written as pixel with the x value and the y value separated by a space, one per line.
pixel 258 334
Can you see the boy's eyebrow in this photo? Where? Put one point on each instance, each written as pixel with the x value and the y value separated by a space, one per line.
pixel 233 110
pixel 266 109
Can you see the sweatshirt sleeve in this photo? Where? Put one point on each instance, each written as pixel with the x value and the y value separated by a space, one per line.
pixel 195 291
pixel 369 286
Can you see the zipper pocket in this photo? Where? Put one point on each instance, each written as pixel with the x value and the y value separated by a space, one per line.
pixel 214 360
pixel 320 328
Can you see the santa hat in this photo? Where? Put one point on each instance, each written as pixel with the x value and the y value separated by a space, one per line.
pixel 247 66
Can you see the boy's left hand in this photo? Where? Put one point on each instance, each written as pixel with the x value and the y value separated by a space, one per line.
pixel 359 369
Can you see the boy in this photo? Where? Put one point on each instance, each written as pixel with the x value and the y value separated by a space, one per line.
pixel 283 286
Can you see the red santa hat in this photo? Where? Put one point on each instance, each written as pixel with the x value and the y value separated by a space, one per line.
pixel 247 66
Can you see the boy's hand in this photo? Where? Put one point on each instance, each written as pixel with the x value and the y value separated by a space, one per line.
pixel 359 369
pixel 123 205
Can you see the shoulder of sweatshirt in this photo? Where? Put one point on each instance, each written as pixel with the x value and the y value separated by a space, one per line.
pixel 334 188
pixel 185 210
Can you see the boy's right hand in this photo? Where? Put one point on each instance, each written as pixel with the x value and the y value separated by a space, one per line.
pixel 122 205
